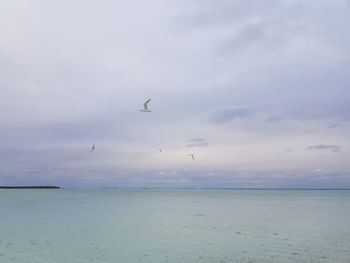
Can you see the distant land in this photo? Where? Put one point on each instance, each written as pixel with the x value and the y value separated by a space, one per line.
pixel 29 187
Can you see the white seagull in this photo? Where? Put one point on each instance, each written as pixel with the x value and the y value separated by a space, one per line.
pixel 192 155
pixel 93 148
pixel 145 108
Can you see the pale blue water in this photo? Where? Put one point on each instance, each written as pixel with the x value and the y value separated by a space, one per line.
pixel 174 226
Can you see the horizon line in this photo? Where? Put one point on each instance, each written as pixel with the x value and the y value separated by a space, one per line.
pixel 172 188
pixel 175 188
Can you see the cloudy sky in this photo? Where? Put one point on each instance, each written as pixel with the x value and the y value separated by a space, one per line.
pixel 258 91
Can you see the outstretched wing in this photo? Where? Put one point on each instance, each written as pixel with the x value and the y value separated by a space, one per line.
pixel 145 105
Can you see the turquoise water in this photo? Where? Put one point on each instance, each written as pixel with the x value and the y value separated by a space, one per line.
pixel 180 226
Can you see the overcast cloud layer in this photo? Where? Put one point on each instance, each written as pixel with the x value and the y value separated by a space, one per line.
pixel 258 91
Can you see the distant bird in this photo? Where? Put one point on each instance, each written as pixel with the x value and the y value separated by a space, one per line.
pixel 145 108
pixel 160 150
pixel 192 155
pixel 92 148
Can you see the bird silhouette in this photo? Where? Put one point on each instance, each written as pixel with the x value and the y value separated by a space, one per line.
pixel 145 107
pixel 92 148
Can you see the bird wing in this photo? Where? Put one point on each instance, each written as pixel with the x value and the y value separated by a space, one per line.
pixel 145 104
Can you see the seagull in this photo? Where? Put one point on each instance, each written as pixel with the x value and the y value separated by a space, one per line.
pixel 145 108
pixel 192 155
pixel 93 148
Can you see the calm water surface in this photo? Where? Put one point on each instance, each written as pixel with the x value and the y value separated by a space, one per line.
pixel 43 226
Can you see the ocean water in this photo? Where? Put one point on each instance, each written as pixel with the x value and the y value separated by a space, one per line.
pixel 80 226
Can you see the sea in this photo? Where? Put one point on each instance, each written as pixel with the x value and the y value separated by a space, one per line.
pixel 174 225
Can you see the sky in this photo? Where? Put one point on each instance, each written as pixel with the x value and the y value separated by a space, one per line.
pixel 258 91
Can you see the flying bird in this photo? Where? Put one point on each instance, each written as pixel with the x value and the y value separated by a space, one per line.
pixel 145 108
pixel 160 150
pixel 92 148
pixel 192 155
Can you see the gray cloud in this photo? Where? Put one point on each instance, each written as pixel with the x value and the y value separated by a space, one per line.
pixel 332 148
pixel 332 126
pixel 229 115
pixel 198 142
